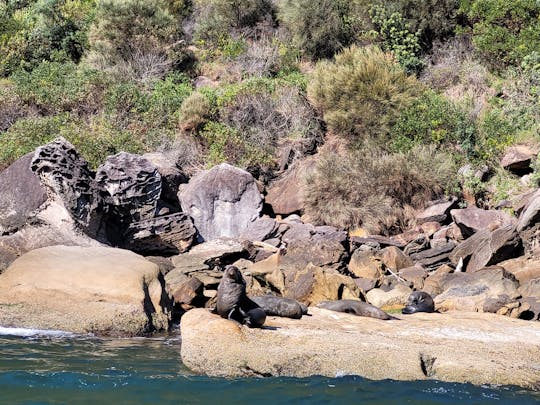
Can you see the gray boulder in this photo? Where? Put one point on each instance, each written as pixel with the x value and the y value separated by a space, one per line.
pixel 222 201
pixel 471 220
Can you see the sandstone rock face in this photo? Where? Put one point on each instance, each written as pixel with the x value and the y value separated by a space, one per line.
pixel 485 247
pixel 469 292
pixel 98 290
pixel 471 220
pixel 67 176
pixel 171 177
pixel 21 194
pixel 222 201
pixel 286 195
pixel 421 346
pixel 523 268
pixel 366 264
pixel 129 186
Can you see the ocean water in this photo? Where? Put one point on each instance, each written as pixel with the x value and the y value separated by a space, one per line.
pixel 47 367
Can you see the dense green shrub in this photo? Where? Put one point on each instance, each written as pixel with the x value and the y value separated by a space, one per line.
pixel 55 87
pixel 321 28
pixel 362 93
pixel 396 36
pixel 33 31
pixel 375 188
pixel 434 119
pixel 504 32
pixel 136 39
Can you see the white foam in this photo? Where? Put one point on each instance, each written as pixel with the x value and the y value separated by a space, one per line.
pixel 27 332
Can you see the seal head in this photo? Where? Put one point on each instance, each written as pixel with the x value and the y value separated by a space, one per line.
pixel 419 301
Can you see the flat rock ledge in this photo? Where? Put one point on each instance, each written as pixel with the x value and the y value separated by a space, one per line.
pixel 479 348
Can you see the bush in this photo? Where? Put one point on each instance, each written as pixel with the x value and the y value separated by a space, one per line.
pixel 55 87
pixel 195 111
pixel 34 31
pixel 434 119
pixel 376 188
pixel 504 32
pixel 362 93
pixel 396 37
pixel 136 39
pixel 217 20
pixel 11 106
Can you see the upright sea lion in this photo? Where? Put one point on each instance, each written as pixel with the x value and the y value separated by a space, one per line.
pixel 356 308
pixel 279 306
pixel 419 301
pixel 233 303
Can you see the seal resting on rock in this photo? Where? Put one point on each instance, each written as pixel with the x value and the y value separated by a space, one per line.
pixel 233 303
pixel 354 307
pixel 279 306
pixel 419 301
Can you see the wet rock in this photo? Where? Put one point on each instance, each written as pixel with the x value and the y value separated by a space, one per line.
pixel 222 201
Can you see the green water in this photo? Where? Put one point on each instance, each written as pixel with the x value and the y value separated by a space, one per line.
pixel 78 370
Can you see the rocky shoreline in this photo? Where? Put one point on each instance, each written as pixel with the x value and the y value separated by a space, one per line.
pixel 137 246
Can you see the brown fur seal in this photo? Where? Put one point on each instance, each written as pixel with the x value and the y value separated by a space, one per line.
pixel 419 301
pixel 354 307
pixel 233 303
pixel 279 306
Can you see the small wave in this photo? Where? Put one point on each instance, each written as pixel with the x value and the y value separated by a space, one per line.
pixel 29 332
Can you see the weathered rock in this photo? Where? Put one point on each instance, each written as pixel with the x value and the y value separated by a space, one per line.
pixel 417 245
pixel 517 159
pixel 430 228
pixel 218 252
pixel 523 268
pixel 468 292
pixel 84 290
pixel 171 176
pixel 488 247
pixel 397 297
pixel 471 220
pixel 314 284
pixel 530 288
pixel 365 284
pixel 66 175
pixel 382 241
pixel 186 290
pixel 434 257
pixel 434 283
pixel 366 264
pixel 286 195
pixel 222 201
pixel 260 229
pixel 394 258
pixel 494 304
pixel 437 211
pixel 21 195
pixel 433 346
pixel 320 246
pixel 414 274
pixel 169 234
pixel 129 187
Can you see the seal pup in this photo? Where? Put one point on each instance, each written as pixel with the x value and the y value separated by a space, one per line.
pixel 279 306
pixel 419 301
pixel 233 303
pixel 354 307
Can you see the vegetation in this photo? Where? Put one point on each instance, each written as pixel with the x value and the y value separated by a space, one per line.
pixel 391 97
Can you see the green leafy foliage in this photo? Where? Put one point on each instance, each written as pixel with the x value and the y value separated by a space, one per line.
pixel 504 32
pixel 362 93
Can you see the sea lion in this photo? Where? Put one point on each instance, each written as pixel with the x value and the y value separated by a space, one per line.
pixel 354 307
pixel 279 306
pixel 419 301
pixel 233 303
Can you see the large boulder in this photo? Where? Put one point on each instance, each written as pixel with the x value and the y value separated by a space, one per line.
pixel 436 211
pixel 517 159
pixel 98 290
pixel 471 220
pixel 21 195
pixel 286 195
pixel 469 291
pixel 222 201
pixel 523 268
pixel 487 247
pixel 458 347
